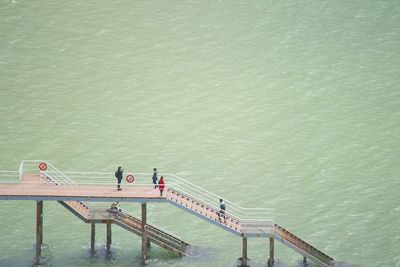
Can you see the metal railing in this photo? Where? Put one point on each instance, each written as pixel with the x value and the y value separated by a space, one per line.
pixel 179 184
pixel 242 214
pixel 201 194
pixel 33 166
pixel 8 177
pixel 252 219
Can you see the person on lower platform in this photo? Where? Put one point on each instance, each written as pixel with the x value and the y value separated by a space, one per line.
pixel 118 208
pixel 115 208
pixel 119 174
pixel 222 207
pixel 155 178
pixel 161 185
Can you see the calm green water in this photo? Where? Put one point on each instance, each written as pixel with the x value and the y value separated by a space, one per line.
pixel 292 105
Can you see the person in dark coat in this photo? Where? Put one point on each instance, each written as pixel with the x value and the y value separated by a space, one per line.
pixel 221 214
pixel 119 174
pixel 155 178
pixel 161 185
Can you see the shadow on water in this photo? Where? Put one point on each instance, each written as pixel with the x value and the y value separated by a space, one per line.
pixel 101 254
pixel 312 264
pixel 157 257
pixel 346 264
pixel 46 258
pixel 161 257
pixel 201 253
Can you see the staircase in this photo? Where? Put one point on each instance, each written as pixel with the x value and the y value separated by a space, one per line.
pixel 79 209
pixel 203 210
pixel 302 247
pixel 129 222
pixel 246 228
pixel 154 234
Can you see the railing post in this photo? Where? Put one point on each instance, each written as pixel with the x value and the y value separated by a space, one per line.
pixel 92 236
pixel 21 170
pixel 144 232
pixel 39 230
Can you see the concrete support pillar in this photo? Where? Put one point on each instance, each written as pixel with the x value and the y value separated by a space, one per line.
pixel 92 236
pixel 244 253
pixel 144 232
pixel 271 259
pixel 108 236
pixel 39 230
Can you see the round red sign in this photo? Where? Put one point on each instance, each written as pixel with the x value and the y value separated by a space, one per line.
pixel 130 178
pixel 43 166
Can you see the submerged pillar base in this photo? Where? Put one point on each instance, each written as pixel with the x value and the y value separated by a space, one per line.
pixel 108 237
pixel 145 242
pixel 39 231
pixel 271 259
pixel 92 237
pixel 244 260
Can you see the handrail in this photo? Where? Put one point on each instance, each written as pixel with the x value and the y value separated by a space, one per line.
pixel 8 176
pixel 54 172
pixel 249 216
pixel 51 171
pixel 21 169
pixel 211 199
pixel 243 217
pixel 212 194
pixel 172 179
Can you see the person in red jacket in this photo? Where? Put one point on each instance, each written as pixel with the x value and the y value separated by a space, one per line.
pixel 161 185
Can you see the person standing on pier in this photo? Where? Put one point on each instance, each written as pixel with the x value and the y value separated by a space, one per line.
pixel 119 174
pixel 155 178
pixel 161 185
pixel 222 208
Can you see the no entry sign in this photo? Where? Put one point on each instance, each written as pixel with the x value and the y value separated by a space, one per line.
pixel 130 178
pixel 43 166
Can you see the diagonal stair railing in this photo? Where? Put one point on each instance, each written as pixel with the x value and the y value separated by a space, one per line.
pixel 246 222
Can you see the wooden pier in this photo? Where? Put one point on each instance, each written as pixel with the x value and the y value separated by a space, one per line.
pixel 53 185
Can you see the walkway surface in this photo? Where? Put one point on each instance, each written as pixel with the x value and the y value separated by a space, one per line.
pixel 37 186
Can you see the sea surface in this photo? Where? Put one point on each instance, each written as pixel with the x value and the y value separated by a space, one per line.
pixel 291 105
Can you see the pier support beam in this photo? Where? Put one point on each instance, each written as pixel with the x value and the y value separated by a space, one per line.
pixel 304 260
pixel 243 259
pixel 92 236
pixel 39 230
pixel 108 236
pixel 271 259
pixel 144 232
